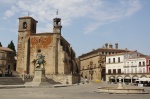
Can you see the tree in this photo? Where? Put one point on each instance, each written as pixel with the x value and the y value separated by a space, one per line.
pixel 12 46
pixel 0 44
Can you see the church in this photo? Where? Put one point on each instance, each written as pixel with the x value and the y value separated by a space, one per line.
pixel 60 59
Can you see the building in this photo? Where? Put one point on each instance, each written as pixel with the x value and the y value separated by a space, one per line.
pixel 92 64
pixel 127 66
pixel 7 61
pixel 114 66
pixel 148 64
pixel 60 60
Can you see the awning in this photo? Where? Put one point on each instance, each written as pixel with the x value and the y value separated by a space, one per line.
pixel 112 77
pixel 143 77
pixel 119 77
pixel 127 77
pixel 135 77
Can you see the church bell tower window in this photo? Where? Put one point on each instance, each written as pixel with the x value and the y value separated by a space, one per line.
pixel 24 25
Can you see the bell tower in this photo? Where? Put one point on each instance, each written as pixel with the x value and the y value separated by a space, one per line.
pixel 27 27
pixel 27 24
pixel 57 25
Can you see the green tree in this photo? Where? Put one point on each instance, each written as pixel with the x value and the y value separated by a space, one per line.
pixel 0 44
pixel 12 46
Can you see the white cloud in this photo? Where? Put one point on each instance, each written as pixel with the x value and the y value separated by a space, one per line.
pixel 10 12
pixel 100 12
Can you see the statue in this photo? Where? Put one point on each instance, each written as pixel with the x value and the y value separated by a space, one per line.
pixel 40 60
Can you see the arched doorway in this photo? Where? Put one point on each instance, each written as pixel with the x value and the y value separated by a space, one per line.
pixel 112 79
pixel 1 73
pixel 127 79
pixel 119 77
pixel 134 78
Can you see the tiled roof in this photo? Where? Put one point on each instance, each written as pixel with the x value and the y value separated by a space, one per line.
pixel 105 50
pixel 6 49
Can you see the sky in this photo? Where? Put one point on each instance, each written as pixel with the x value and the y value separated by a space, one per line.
pixel 86 24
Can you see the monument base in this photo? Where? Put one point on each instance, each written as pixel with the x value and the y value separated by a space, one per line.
pixel 39 78
pixel 39 75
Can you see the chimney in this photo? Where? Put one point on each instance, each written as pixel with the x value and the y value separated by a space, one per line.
pixel 116 45
pixel 110 45
pixel 106 45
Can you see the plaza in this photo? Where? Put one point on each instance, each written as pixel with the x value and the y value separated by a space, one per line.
pixel 81 91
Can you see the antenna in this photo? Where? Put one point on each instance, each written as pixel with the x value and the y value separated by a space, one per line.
pixel 57 12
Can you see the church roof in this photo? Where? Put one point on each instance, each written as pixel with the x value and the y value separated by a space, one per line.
pixel 27 17
pixel 45 33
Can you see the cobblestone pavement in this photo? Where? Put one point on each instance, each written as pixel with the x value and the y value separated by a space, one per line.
pixel 82 91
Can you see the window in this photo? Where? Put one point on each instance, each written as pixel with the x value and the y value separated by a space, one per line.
pixel 149 62
pixel 24 25
pixel 139 63
pixel 128 70
pixel 3 63
pixel 118 59
pixel 124 70
pixel 113 60
pixel 143 70
pixel 114 71
pixel 3 56
pixel 109 60
pixel 106 53
pixel 131 70
pixel 119 71
pixel 140 70
pixel 102 52
pixel 143 63
pixel 112 52
pixel 135 70
pixel 109 53
pixel 109 71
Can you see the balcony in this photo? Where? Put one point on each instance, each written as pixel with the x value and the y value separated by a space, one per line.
pixel 114 73
pixel 3 58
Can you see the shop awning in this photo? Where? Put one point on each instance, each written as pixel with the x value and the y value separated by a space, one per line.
pixel 111 77
pixel 135 77
pixel 127 77
pixel 119 77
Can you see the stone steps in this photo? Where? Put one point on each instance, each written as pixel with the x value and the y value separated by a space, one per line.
pixel 11 81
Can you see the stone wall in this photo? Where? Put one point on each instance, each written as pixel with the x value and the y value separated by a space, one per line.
pixel 65 79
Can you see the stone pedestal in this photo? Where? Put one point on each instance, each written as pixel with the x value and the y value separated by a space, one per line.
pixel 39 75
pixel 39 79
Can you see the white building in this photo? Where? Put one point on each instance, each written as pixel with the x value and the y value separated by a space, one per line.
pixel 114 66
pixel 128 66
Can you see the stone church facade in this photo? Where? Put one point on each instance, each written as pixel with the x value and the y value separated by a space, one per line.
pixel 61 65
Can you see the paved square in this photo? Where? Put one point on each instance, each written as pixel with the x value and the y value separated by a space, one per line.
pixel 83 91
